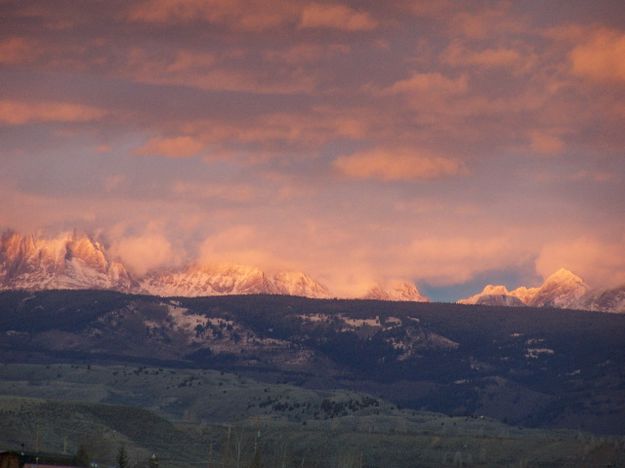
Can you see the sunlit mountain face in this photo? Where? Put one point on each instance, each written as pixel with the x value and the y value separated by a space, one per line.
pixel 400 150
pixel 75 260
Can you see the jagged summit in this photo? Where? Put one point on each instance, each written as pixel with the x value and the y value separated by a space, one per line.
pixel 296 283
pixel 495 295
pixel 69 261
pixel 562 289
pixel 75 260
pixel 396 291
pixel 229 278
pixel 207 280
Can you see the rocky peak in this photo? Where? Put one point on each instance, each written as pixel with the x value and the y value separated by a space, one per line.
pixel 396 291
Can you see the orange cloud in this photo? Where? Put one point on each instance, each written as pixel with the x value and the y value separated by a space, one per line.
pixel 486 22
pixel 231 192
pixel 252 15
pixel 303 53
pixel 16 50
pixel 238 244
pixel 242 15
pixel 449 260
pixel 600 262
pixel 600 58
pixel 144 252
pixel 428 82
pixel 336 16
pixel 19 112
pixel 203 71
pixel 392 166
pixel 545 143
pixel 456 55
pixel 174 147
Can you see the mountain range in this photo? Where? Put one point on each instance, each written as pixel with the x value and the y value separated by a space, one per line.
pixel 77 261
pixel 563 289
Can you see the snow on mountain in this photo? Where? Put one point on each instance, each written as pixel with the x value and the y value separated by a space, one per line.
pixel 609 300
pixel 562 289
pixel 495 295
pixel 208 280
pixel 229 278
pixel 69 261
pixel 397 291
pixel 77 261
pixel 295 283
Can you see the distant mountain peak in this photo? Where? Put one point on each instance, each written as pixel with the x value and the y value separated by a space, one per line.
pixel 70 260
pixel 562 288
pixel 495 295
pixel 296 283
pixel 396 291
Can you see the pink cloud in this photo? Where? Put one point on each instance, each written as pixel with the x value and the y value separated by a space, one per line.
pixel 144 252
pixel 388 165
pixel 173 147
pixel 205 71
pixel 17 50
pixel 336 16
pixel 459 55
pixel 546 143
pixel 429 82
pixel 20 112
pixel 242 15
pixel 600 57
pixel 305 53
pixel 600 262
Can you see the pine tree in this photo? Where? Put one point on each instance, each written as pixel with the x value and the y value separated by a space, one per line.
pixel 122 458
pixel 82 458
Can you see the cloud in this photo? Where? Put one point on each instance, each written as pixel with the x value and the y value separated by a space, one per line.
pixel 239 15
pixel 600 58
pixel 336 16
pixel 306 52
pixel 488 22
pixel 601 263
pixel 545 143
pixel 390 165
pixel 144 252
pixel 428 82
pixel 456 259
pixel 173 147
pixel 19 112
pixel 17 50
pixel 205 71
pixel 238 244
pixel 252 16
pixel 239 193
pixel 458 55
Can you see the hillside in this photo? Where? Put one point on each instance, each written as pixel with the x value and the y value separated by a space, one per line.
pixel 534 367
pixel 348 433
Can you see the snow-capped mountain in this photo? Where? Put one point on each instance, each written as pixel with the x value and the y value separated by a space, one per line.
pixel 295 283
pixel 69 261
pixel 609 300
pixel 397 291
pixel 77 261
pixel 230 278
pixel 208 280
pixel 495 295
pixel 562 289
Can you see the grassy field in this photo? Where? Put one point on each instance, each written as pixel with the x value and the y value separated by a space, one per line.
pixel 193 417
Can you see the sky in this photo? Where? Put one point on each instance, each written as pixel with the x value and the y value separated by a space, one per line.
pixel 447 143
